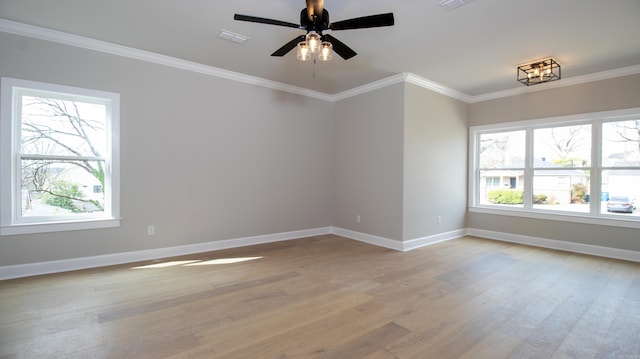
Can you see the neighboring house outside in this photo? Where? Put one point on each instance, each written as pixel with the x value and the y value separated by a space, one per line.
pixel 622 182
pixel 550 179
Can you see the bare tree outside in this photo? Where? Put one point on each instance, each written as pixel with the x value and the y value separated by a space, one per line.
pixel 568 146
pixel 60 139
pixel 502 149
pixel 628 132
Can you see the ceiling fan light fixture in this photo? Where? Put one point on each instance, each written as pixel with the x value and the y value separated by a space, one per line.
pixel 303 51
pixel 315 20
pixel 313 41
pixel 326 51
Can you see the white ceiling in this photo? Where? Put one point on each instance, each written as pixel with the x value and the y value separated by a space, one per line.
pixel 474 49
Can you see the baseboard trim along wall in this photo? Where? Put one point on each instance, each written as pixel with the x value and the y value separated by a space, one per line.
pixel 398 245
pixel 590 249
pixel 436 238
pixel 32 269
pixel 368 238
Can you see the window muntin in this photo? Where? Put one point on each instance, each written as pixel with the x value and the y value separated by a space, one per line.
pixel 59 145
pixel 576 162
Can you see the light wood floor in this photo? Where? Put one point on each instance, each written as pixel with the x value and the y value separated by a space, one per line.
pixel 330 297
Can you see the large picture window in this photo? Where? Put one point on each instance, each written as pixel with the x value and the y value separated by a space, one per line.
pixel 59 158
pixel 569 168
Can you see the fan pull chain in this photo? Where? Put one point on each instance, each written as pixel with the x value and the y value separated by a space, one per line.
pixel 314 68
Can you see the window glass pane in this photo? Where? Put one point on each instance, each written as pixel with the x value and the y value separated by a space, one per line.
pixel 59 127
pixel 501 187
pixel 621 144
pixel 547 168
pixel 620 191
pixel 561 190
pixel 61 188
pixel 567 146
pixel 502 150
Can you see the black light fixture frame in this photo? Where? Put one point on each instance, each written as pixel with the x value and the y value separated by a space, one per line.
pixel 539 72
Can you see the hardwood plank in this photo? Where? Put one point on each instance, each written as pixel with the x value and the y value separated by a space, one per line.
pixel 266 327
pixel 543 341
pixel 368 343
pixel 623 338
pixel 311 339
pixel 445 316
pixel 588 335
pixel 156 305
pixel 327 296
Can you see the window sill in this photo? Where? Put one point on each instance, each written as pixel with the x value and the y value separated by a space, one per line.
pixel 31 228
pixel 573 217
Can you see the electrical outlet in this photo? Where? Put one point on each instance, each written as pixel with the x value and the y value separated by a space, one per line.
pixel 358 218
pixel 439 219
pixel 151 230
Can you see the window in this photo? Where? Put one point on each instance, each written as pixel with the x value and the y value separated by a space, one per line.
pixel 501 163
pixel 582 168
pixel 59 159
pixel 561 167
pixel 493 181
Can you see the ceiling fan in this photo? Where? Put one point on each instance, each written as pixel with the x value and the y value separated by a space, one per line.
pixel 315 20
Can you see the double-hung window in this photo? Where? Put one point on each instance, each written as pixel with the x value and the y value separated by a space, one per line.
pixel 582 168
pixel 59 158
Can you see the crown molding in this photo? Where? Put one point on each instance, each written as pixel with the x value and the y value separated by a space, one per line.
pixel 64 38
pixel 372 86
pixel 436 87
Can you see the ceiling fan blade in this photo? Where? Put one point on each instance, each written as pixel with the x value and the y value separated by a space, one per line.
pixel 262 20
pixel 288 46
pixel 340 48
pixel 364 22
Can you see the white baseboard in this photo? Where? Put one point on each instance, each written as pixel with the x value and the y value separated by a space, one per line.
pixel 368 238
pixel 32 269
pixel 397 245
pixel 436 238
pixel 590 249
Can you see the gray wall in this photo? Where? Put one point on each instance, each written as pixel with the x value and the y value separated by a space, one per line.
pixel 435 163
pixel 207 159
pixel 368 162
pixel 605 95
pixel 202 158
pixel 612 94
pixel 400 161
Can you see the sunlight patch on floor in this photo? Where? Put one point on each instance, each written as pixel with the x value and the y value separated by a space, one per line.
pixel 189 263
pixel 164 264
pixel 223 261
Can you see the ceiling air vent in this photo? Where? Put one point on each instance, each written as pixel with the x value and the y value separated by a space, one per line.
pixel 450 5
pixel 232 36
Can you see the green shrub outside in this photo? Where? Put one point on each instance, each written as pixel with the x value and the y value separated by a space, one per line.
pixel 579 193
pixel 505 196
pixel 62 194
pixel 539 198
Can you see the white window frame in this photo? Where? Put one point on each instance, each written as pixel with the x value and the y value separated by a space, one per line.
pixel 594 216
pixel 11 223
